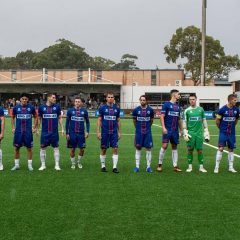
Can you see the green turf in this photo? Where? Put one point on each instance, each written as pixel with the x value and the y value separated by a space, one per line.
pixel 88 204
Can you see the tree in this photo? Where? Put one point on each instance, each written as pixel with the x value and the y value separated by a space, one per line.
pixel 186 44
pixel 102 63
pixel 127 62
pixel 26 60
pixel 63 55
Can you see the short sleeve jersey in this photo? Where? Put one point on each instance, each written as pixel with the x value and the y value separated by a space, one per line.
pixel 75 119
pixel 1 115
pixel 194 119
pixel 143 118
pixel 49 115
pixel 109 116
pixel 23 116
pixel 171 112
pixel 228 119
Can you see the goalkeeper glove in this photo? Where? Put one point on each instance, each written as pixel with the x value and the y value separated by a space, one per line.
pixel 206 135
pixel 186 136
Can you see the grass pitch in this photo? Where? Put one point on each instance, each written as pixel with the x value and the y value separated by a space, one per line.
pixel 88 204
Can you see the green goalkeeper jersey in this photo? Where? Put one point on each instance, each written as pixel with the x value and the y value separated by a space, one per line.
pixel 194 119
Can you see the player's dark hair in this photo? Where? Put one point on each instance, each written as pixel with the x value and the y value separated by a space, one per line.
pixel 109 93
pixel 231 96
pixel 78 97
pixel 144 96
pixel 192 95
pixel 24 95
pixel 173 91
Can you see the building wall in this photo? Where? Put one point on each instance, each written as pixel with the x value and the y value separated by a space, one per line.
pixel 128 77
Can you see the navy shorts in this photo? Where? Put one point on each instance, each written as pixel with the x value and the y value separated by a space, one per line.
pixel 172 136
pixel 76 141
pixel 23 139
pixel 227 140
pixel 109 140
pixel 143 140
pixel 49 139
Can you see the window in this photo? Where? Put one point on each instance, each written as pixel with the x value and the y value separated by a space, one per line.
pixel 80 76
pixel 153 78
pixel 99 76
pixel 14 75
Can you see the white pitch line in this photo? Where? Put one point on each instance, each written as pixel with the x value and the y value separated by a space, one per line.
pixel 209 145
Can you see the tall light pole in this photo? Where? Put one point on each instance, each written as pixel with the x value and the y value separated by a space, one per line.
pixel 204 7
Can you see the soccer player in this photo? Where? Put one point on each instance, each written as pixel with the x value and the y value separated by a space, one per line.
pixel 75 130
pixel 22 130
pixel 143 118
pixel 2 125
pixel 193 122
pixel 170 121
pixel 108 130
pixel 49 115
pixel 226 120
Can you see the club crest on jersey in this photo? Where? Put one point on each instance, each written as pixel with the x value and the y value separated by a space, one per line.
pixel 28 109
pixel 54 108
pixel 73 112
pixel 148 112
pixel 19 109
pixel 44 109
pixel 106 110
pixel 82 113
pixel 139 112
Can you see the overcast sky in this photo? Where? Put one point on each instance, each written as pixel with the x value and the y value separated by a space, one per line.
pixel 110 28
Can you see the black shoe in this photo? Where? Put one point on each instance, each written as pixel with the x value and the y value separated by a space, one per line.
pixel 103 169
pixel 115 170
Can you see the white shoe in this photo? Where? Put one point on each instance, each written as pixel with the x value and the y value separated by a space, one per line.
pixel 30 168
pixel 232 170
pixel 73 166
pixel 42 168
pixel 1 167
pixel 189 170
pixel 216 170
pixel 57 168
pixel 79 165
pixel 15 168
pixel 203 170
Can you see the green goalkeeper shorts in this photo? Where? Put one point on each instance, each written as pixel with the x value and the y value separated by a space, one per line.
pixel 196 141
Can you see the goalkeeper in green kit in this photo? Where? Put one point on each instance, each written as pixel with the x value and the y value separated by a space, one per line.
pixel 194 121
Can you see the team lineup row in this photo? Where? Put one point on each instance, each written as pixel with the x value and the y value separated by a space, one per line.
pixel 193 127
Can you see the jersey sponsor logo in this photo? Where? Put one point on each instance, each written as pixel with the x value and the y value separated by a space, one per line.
pixel 110 118
pixel 143 119
pixel 229 119
pixel 24 116
pixel 50 115
pixel 172 113
pixel 195 119
pixel 78 119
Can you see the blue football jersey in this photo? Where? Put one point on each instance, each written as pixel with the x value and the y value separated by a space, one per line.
pixel 75 120
pixel 228 119
pixel 1 115
pixel 171 112
pixel 109 116
pixel 143 118
pixel 49 115
pixel 23 116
